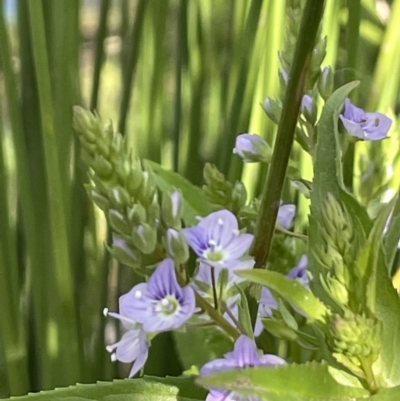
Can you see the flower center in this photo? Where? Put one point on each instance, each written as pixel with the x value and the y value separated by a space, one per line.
pixel 168 305
pixel 215 256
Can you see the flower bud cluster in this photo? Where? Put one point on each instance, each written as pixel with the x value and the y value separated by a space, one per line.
pixel 120 187
pixel 355 336
pixel 222 192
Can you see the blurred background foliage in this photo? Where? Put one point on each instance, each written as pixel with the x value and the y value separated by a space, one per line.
pixel 180 79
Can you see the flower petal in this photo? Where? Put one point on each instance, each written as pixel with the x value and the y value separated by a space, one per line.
pixel 129 347
pixel 238 246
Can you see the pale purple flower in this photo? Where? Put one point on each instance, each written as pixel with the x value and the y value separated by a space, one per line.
pixel 217 239
pixel 244 355
pixel 252 148
pixel 309 108
pixel 286 215
pixel 134 345
pixel 161 304
pixel 362 125
pixel 299 272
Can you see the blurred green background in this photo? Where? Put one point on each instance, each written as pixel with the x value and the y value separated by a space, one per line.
pixel 180 79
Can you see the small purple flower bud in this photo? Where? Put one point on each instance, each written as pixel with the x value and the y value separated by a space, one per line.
pixel 362 125
pixel 177 246
pixel 267 304
pixel 286 215
pixel 244 355
pixel 309 109
pixel 124 253
pixel 217 239
pixel 299 272
pixel 161 304
pixel 144 237
pixel 283 77
pixel 252 148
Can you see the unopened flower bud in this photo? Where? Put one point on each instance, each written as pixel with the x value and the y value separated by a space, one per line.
pixel 135 177
pixel 85 123
pixel 336 290
pixel 147 189
pixel 325 83
pixel 101 201
pixel 144 238
pixel 124 253
pixel 118 222
pixel 119 198
pixel 252 148
pixel 102 167
pixel 309 109
pixel 286 215
pixel 153 210
pixel 239 196
pixel 318 54
pixel 177 246
pixel 172 208
pixel 273 108
pixel 137 214
pixel 283 77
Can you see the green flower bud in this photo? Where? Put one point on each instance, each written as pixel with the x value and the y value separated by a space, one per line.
pixel 119 198
pixel 239 196
pixel 177 246
pixel 122 170
pixel 135 177
pixel 336 290
pixel 273 108
pixel 283 77
pixel 172 208
pixel 89 147
pixel 355 335
pixel 137 214
pixel 103 168
pixel 124 253
pixel 118 222
pixel 153 210
pixel 325 83
pixel 85 123
pixel 144 237
pixel 318 55
pixel 147 189
pixel 101 201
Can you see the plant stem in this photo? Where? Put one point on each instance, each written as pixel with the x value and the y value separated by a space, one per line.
pixel 286 130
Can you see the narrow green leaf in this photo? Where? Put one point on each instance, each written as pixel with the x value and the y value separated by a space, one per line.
pixel 196 203
pixel 244 313
pixel 149 388
pixel 291 290
pixel 392 237
pixel 285 383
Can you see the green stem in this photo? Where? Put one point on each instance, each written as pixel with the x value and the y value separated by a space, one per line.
pixel 216 316
pixel 292 234
pixel 286 130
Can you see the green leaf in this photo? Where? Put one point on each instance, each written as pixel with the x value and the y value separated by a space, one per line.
pixel 196 203
pixel 291 290
pixel 244 313
pixel 311 381
pixel 148 388
pixel 392 236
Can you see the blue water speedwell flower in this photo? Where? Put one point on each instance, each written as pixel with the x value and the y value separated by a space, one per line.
pixel 286 215
pixel 252 148
pixel 217 239
pixel 299 272
pixel 161 304
pixel 244 355
pixel 362 125
pixel 134 345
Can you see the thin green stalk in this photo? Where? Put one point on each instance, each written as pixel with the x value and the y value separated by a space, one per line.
pixel 99 53
pixel 286 130
pixel 66 329
pixel 132 58
pixel 353 34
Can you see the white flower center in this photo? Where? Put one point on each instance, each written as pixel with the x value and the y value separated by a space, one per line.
pixel 168 306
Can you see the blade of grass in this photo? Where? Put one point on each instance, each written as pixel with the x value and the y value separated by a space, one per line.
pixel 64 327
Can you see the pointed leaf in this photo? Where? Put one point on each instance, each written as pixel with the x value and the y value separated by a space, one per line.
pixel 311 381
pixel 196 203
pixel 291 290
pixel 392 236
pixel 148 388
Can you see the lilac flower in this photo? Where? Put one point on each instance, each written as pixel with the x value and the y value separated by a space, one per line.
pixel 362 125
pixel 299 272
pixel 252 148
pixel 217 239
pixel 161 304
pixel 134 345
pixel 244 355
pixel 286 215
